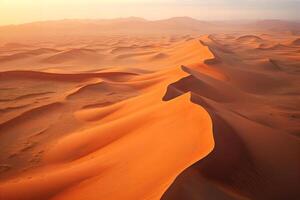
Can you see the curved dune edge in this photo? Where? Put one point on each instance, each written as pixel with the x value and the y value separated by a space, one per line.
pixel 135 149
pixel 224 126
pixel 138 157
pixel 257 147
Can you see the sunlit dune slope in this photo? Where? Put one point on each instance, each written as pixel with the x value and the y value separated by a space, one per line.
pixel 256 124
pixel 165 114
pixel 116 161
pixel 109 131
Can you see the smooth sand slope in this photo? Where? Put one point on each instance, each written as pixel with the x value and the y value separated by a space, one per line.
pixel 67 135
pixel 139 117
pixel 255 114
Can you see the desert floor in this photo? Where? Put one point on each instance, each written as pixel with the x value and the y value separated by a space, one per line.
pixel 181 117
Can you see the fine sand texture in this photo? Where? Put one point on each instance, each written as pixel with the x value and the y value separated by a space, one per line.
pixel 171 115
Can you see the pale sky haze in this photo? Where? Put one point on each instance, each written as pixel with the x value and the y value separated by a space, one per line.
pixel 23 11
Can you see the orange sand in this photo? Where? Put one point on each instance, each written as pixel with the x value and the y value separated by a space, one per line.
pixel 102 115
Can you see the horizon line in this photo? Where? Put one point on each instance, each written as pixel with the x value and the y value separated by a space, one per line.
pixel 151 20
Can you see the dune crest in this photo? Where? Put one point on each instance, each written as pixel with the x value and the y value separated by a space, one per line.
pixel 132 136
pixel 255 134
pixel 136 109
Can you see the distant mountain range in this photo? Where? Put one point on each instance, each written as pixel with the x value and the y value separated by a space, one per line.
pixel 135 25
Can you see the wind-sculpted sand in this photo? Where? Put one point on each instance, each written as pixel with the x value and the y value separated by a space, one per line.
pixel 256 123
pixel 151 117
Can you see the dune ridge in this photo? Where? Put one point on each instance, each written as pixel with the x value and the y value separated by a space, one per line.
pixel 62 77
pixel 254 142
pixel 97 152
pixel 166 116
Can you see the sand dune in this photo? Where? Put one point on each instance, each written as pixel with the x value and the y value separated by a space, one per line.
pixel 296 42
pixel 249 38
pixel 64 77
pixel 149 116
pixel 255 141
pixel 159 56
pixel 14 45
pixel 75 55
pixel 27 54
pixel 276 47
pixel 126 114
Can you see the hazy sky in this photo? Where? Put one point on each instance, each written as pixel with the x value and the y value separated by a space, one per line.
pixel 21 11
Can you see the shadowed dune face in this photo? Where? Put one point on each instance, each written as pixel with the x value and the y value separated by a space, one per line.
pixel 256 128
pixel 171 116
pixel 68 133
